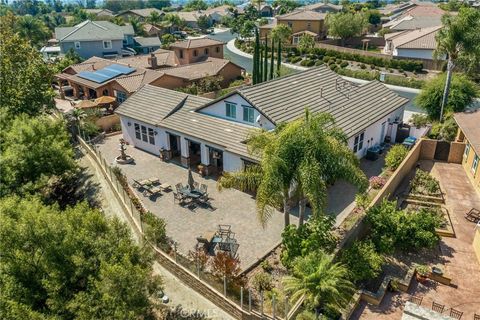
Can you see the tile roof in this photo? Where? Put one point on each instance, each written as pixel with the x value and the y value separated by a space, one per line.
pixel 93 30
pixel 174 111
pixel 165 59
pixel 102 12
pixel 143 12
pixel 469 121
pixel 354 107
pixel 196 43
pixel 148 41
pixel 193 71
pixel 302 15
pixel 132 83
pixel 316 6
pixel 415 39
pixel 411 23
pixel 220 10
pixel 190 16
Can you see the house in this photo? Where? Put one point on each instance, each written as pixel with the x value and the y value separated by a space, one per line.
pixel 146 44
pixel 301 22
pixel 217 13
pixel 419 16
pixel 266 11
pixel 154 31
pixel 159 59
pixel 323 7
pixel 100 12
pixel 190 17
pixel 120 78
pixel 140 14
pixel 215 130
pixel 95 38
pixel 194 50
pixel 418 43
pixel 469 133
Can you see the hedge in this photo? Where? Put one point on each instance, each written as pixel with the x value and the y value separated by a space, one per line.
pixel 375 75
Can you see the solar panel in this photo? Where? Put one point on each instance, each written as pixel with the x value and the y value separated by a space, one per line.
pixel 120 68
pixel 93 76
pixel 109 73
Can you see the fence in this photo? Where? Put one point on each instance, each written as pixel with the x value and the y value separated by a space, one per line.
pixel 237 302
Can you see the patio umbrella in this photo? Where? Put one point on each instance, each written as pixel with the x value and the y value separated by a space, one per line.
pixel 105 100
pixel 86 104
pixel 190 178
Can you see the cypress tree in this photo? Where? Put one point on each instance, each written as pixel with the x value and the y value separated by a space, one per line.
pixel 272 59
pixel 265 61
pixel 279 57
pixel 260 67
pixel 256 56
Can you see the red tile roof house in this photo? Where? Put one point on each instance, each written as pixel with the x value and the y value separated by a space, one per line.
pixel 215 131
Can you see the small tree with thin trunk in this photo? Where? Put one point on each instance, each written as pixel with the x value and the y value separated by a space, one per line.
pixel 224 265
pixel 345 25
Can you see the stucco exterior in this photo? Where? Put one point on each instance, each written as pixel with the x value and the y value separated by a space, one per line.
pixel 192 55
pixel 93 48
pixel 414 53
pixel 316 26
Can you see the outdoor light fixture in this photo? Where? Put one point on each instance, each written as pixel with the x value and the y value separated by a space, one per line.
pixel 155 132
pixel 129 123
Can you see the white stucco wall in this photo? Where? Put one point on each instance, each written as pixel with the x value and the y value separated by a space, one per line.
pixel 373 133
pixel 129 136
pixel 219 110
pixel 232 162
pixel 413 53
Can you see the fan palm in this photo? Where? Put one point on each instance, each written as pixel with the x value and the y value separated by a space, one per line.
pixel 455 40
pixel 322 282
pixel 33 29
pixel 137 26
pixel 154 18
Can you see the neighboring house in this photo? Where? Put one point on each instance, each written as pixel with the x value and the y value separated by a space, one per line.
pixel 469 133
pixel 95 38
pixel 266 10
pixel 120 78
pixel 216 14
pixel 100 12
pixel 418 43
pixel 147 44
pixel 152 30
pixel 159 59
pixel 322 7
pixel 195 50
pixel 190 17
pixel 419 16
pixel 217 129
pixel 140 14
pixel 301 22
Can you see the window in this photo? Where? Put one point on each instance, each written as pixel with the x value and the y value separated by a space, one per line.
pixel 475 164
pixel 295 40
pixel 195 53
pixel 77 45
pixel 358 143
pixel 230 110
pixel 290 25
pixel 107 44
pixel 309 26
pixel 151 136
pixel 217 49
pixel 105 92
pixel 248 114
pixel 137 131
pixel 206 50
pixel 121 96
pixel 467 150
pixel 144 134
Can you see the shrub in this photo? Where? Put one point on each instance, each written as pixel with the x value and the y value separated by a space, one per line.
pixel 377 182
pixel 307 63
pixel 334 67
pixel 199 257
pixel 90 129
pixel 318 63
pixel 363 66
pixel 344 64
pixel 444 131
pixel 362 260
pixel 224 265
pixel 424 183
pixel 295 59
pixel 155 229
pixel 266 266
pixel 262 282
pixel 362 200
pixel 326 59
pixel 404 82
pixel 395 156
pixel 419 120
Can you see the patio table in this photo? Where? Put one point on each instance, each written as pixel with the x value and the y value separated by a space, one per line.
pixel 191 193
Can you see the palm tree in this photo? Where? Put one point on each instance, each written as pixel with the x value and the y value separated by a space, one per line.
pixel 154 18
pixel 324 284
pixel 118 21
pixel 298 161
pixel 172 21
pixel 455 40
pixel 137 26
pixel 32 29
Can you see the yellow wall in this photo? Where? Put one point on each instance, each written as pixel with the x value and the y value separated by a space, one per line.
pixel 302 25
pixel 467 165
pixel 476 244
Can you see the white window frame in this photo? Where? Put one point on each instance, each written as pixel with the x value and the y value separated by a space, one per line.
pixel 251 114
pixel 467 150
pixel 77 45
pixel 138 135
pixel 229 106
pixel 476 160
pixel 358 142
pixel 151 136
pixel 109 42
pixel 144 133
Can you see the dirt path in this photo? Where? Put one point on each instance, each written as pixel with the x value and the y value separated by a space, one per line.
pixel 177 291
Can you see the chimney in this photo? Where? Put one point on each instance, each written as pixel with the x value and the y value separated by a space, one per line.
pixel 152 61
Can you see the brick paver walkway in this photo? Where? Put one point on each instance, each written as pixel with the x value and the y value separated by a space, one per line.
pixel 460 264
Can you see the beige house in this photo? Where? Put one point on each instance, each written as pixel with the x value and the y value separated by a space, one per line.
pixel 418 43
pixel 195 50
pixel 140 14
pixel 301 22
pixel 100 12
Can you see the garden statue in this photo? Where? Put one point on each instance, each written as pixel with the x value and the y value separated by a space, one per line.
pixel 123 158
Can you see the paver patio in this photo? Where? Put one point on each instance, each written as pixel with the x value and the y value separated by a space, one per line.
pixel 460 262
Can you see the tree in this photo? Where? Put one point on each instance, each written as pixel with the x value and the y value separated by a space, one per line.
pixel 171 20
pixel 462 92
pixel 458 40
pixel 279 56
pixel 167 40
pixel 345 25
pixel 285 6
pixel 272 60
pixel 137 26
pixel 256 59
pixel 374 17
pixel 71 264
pixel 33 151
pixel 24 78
pixel 32 29
pixel 265 61
pixel 224 265
pixel 247 29
pixel 282 33
pixel 324 283
pixel 203 22
pixel 362 260
pixel 306 43
pixel 158 4
pixel 298 160
pixel 195 5
pixel 395 156
pixel 154 18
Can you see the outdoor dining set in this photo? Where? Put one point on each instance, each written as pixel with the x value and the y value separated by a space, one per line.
pixel 222 239
pixel 151 187
pixel 193 192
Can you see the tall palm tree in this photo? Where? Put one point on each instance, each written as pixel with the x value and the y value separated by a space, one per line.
pixel 322 282
pixel 459 36
pixel 298 161
pixel 137 26
pixel 154 18
pixel 33 29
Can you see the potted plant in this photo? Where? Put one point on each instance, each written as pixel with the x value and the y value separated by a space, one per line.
pixel 201 170
pixel 422 273
pixel 393 285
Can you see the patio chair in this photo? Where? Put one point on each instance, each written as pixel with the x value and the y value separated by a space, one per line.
pixel 437 307
pixel 195 185
pixel 476 316
pixel 178 197
pixel 203 188
pixel 179 186
pixel 224 229
pixel 455 314
pixel 473 215
pixel 136 184
pixel 416 300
